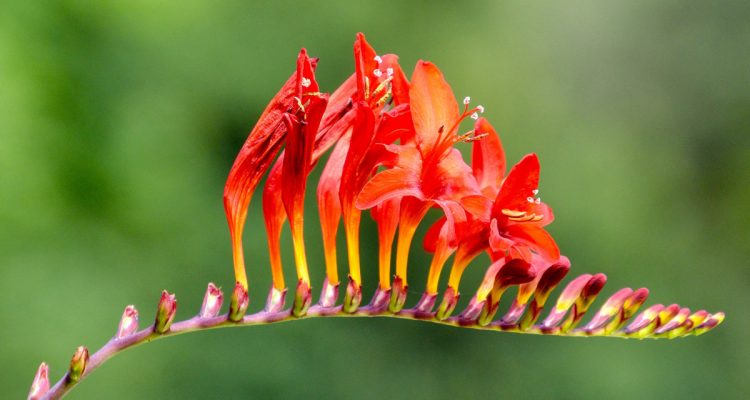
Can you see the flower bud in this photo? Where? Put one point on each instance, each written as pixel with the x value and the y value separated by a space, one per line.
pixel 165 312
pixel 211 302
pixel 302 299
pixel 711 322
pixel 353 296
pixel 78 364
pixel 329 294
pixel 40 386
pixel 128 322
pixel 238 303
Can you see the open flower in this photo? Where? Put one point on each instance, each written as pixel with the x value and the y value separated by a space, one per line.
pixel 426 170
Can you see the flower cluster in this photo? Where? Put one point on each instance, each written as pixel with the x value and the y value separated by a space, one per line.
pixel 394 154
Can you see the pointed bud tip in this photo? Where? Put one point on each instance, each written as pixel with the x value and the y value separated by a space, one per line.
pixel 128 322
pixel 78 364
pixel 212 302
pixel 40 385
pixel 166 311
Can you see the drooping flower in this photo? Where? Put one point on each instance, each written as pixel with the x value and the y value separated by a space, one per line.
pixel 380 82
pixel 258 152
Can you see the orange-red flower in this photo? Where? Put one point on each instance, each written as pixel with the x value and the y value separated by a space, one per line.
pixel 258 152
pixel 426 170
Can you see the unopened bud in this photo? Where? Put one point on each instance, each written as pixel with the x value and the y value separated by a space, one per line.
pixel 78 364
pixel 166 311
pixel 211 302
pixel 302 299
pixel 238 303
pixel 353 296
pixel 40 386
pixel 128 322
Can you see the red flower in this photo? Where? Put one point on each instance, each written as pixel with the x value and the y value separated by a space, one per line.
pixel 426 170
pixel 259 149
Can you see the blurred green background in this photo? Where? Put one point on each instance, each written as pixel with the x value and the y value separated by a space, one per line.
pixel 120 120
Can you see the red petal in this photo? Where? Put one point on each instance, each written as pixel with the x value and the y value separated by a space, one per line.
pixel 519 186
pixel 365 64
pixel 537 238
pixel 389 184
pixel 298 156
pixel 488 159
pixel 432 235
pixel 433 105
pixel 337 119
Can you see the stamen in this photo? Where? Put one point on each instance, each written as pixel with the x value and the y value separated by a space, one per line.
pixel 535 191
pixel 480 108
pixel 389 72
pixel 467 100
pixel 385 85
pixel 512 213
pixel 299 103
pixel 378 59
pixel 474 116
pixel 305 82
pixel 530 199
pixel 378 73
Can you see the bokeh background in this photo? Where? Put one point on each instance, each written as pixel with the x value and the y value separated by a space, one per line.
pixel 120 120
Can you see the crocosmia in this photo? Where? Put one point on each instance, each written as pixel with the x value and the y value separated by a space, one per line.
pixel 393 146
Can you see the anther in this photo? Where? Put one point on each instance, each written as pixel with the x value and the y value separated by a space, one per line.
pixel 378 73
pixel 538 200
pixel 530 199
pixel 535 191
pixel 512 213
pixel 305 82
pixel 467 100
pixel 474 116
pixel 389 72
pixel 480 109
pixel 378 59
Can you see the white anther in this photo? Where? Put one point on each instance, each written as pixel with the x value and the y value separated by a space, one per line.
pixel 305 82
pixel 535 191
pixel 467 100
pixel 389 71
pixel 378 59
pixel 377 73
pixel 475 116
pixel 538 200
pixel 481 109
pixel 530 199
